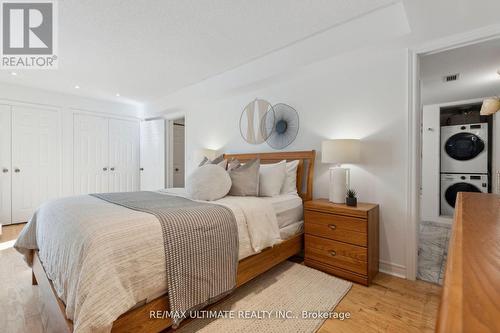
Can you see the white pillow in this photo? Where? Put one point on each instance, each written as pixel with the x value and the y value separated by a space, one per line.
pixel 208 182
pixel 271 178
pixel 290 183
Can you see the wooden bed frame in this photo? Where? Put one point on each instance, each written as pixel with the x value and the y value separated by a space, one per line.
pixel 137 320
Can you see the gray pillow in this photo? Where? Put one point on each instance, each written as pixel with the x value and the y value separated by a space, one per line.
pixel 245 179
pixel 219 160
pixel 233 164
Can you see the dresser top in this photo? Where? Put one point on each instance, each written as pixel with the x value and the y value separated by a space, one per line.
pixel 324 205
pixel 471 298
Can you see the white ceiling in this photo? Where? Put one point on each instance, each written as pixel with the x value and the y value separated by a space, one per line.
pixel 477 65
pixel 144 50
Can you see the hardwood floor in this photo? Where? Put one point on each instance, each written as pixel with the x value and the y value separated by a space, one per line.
pixel 390 304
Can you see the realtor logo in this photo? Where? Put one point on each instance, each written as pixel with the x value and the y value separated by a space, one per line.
pixel 28 34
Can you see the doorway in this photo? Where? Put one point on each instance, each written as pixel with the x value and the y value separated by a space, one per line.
pixel 176 169
pixel 453 144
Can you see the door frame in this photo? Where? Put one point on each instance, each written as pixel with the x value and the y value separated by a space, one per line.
pixel 169 151
pixel 414 129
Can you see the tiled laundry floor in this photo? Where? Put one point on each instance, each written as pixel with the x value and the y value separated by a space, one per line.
pixel 433 251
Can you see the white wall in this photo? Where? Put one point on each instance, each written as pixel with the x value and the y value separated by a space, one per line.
pixel 357 95
pixel 68 105
pixel 477 65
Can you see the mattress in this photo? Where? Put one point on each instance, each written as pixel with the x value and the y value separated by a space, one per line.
pixel 291 230
pixel 288 207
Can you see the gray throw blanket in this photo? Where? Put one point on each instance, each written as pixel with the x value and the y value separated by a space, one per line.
pixel 201 247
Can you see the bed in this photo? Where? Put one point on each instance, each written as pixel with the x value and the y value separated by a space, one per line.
pixel 152 292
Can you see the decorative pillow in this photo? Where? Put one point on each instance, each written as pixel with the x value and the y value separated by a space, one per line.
pixel 290 183
pixel 245 179
pixel 233 164
pixel 204 161
pixel 271 179
pixel 208 182
pixel 219 160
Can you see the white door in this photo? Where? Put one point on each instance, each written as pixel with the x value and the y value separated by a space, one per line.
pixel 431 138
pixel 5 165
pixel 152 155
pixel 90 154
pixel 36 159
pixel 124 146
pixel 178 155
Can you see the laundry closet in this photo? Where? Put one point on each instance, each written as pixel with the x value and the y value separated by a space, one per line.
pixel 458 146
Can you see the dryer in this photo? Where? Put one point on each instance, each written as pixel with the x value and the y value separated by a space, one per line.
pixel 453 183
pixel 464 148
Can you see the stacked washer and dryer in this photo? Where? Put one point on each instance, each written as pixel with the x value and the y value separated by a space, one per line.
pixel 464 162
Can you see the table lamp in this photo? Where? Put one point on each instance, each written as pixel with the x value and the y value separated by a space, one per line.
pixel 337 152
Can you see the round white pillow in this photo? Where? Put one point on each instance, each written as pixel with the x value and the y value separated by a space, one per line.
pixel 208 182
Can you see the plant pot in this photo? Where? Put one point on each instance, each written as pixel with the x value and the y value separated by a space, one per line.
pixel 353 202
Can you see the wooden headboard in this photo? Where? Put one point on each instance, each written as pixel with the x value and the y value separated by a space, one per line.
pixel 305 170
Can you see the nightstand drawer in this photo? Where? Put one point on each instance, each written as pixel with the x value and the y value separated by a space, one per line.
pixel 350 257
pixel 337 227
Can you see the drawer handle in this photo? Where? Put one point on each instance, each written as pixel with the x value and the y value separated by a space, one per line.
pixel 333 253
pixel 332 226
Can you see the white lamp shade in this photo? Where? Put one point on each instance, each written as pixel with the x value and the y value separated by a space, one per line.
pixel 341 151
pixel 490 106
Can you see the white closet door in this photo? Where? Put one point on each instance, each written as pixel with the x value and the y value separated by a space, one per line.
pixel 124 138
pixel 152 155
pixel 5 165
pixel 36 159
pixel 90 155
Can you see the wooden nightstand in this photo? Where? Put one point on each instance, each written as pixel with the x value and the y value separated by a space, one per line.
pixel 342 240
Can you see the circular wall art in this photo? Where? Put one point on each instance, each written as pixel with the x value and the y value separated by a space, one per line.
pixel 286 126
pixel 257 121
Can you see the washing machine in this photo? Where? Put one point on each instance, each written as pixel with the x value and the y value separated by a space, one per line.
pixel 464 148
pixel 452 183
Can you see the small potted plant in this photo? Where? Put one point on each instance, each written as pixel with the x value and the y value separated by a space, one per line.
pixel 351 199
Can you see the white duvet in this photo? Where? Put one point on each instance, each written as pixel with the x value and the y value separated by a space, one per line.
pixel 104 259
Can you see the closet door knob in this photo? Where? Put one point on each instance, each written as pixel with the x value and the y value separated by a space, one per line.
pixel 5 170
pixel 104 169
pixel 112 169
pixel 17 170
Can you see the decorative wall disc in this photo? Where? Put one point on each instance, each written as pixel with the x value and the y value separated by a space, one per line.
pixel 286 126
pixel 257 121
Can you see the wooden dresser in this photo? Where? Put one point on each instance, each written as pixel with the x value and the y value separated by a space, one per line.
pixel 471 292
pixel 342 240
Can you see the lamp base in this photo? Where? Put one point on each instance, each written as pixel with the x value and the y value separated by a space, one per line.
pixel 338 184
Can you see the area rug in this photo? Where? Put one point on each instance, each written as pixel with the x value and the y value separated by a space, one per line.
pixel 289 298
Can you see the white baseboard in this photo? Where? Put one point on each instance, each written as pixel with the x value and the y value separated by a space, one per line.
pixel 392 269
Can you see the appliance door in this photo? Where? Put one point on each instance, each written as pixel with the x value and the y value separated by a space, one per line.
pixel 464 146
pixel 451 192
